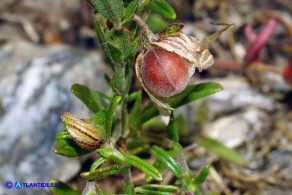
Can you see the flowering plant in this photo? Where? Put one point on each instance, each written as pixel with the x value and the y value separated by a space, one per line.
pixel 164 68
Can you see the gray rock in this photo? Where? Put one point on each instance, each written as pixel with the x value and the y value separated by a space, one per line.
pixel 35 86
pixel 237 94
pixel 233 130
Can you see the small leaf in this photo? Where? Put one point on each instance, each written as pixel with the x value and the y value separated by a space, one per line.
pixel 94 100
pixel 108 151
pixel 69 148
pixel 110 114
pixel 202 176
pixel 164 157
pixel 99 118
pixel 113 10
pixel 137 96
pixel 157 189
pixel 162 188
pixel 144 166
pixel 171 29
pixel 123 42
pixel 115 52
pixel 221 150
pixel 156 23
pixel 62 135
pixel 163 8
pixel 151 192
pixel 130 10
pixel 194 92
pixel 103 172
pixel 191 93
pixel 61 188
pixel 97 163
pixel 100 28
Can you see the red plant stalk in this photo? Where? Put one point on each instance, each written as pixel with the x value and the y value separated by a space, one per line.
pixel 287 73
pixel 259 41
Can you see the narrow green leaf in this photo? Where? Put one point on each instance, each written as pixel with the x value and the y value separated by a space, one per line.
pixel 94 100
pixel 202 176
pixel 194 92
pixel 130 10
pixel 162 188
pixel 68 147
pixel 99 118
pixel 100 29
pixel 137 96
pixel 62 135
pixel 172 129
pixel 150 192
pixel 113 10
pixel 221 150
pixel 97 163
pixel 103 172
pixel 110 114
pixel 164 157
pixel 144 166
pixel 191 93
pixel 156 23
pixel 114 52
pixel 109 152
pixel 163 8
pixel 61 188
pixel 119 45
pixel 171 29
pixel 124 43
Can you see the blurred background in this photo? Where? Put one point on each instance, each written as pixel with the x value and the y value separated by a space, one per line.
pixel 47 45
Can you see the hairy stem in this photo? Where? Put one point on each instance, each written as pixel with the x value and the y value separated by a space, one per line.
pixel 147 33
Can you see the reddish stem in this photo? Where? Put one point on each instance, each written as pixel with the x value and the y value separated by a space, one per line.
pixel 287 72
pixel 261 39
pixel 249 34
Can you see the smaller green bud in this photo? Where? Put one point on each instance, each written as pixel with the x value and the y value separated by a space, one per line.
pixel 87 135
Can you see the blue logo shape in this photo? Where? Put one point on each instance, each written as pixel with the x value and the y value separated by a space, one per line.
pixel 18 184
pixel 8 184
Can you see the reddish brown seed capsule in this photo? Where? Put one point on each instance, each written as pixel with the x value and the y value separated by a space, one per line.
pixel 164 73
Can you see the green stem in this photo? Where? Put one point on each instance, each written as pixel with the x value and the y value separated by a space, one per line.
pixel 183 164
pixel 147 33
pixel 128 186
pixel 172 129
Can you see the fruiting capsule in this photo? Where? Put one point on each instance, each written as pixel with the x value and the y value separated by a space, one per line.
pixel 168 61
pixel 164 73
pixel 87 135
